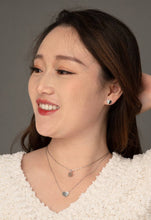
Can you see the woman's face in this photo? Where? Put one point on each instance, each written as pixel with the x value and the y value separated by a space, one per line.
pixel 66 74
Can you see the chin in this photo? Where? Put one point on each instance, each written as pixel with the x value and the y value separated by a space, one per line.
pixel 46 133
pixel 43 131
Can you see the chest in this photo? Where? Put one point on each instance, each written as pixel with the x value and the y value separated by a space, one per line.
pixel 47 191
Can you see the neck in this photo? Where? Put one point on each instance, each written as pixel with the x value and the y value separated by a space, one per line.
pixel 79 150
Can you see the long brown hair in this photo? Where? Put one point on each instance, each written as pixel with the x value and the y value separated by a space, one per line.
pixel 115 48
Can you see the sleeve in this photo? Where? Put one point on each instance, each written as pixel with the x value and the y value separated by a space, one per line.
pixel 147 166
pixel 2 186
pixel 5 184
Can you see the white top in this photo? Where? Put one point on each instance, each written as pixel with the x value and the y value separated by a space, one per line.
pixel 122 191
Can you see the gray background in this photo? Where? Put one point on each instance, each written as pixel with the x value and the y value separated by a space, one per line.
pixel 21 21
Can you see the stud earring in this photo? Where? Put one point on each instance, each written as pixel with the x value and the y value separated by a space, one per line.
pixel 109 102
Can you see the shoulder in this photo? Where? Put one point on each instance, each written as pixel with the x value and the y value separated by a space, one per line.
pixel 9 173
pixel 15 157
pixel 146 155
pixel 34 162
pixel 135 170
pixel 132 171
pixel 9 163
pixel 138 162
pixel 10 158
pixel 14 160
pixel 6 158
pixel 144 160
pixel 123 186
pixel 142 164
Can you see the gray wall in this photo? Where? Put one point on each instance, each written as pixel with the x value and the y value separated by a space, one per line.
pixel 21 21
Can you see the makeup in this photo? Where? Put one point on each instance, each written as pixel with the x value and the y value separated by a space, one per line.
pixel 46 107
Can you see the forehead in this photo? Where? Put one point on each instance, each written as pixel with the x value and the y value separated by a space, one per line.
pixel 66 41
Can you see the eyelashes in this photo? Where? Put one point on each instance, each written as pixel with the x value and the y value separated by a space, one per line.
pixel 63 72
pixel 35 69
pixel 59 71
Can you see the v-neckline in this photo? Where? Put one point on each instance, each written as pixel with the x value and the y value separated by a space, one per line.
pixel 73 205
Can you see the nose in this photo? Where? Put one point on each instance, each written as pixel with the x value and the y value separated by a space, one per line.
pixel 45 84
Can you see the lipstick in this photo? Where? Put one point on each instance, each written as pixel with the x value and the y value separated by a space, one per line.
pixel 46 107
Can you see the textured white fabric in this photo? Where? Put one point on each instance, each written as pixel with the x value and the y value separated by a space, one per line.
pixel 122 191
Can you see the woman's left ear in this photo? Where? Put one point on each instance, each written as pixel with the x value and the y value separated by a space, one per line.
pixel 114 92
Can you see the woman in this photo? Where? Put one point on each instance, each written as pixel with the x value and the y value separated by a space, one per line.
pixel 81 155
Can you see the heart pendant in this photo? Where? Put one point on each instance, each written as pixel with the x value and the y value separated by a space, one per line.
pixel 65 194
pixel 70 174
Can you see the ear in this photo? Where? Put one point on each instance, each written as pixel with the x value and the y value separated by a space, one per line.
pixel 114 92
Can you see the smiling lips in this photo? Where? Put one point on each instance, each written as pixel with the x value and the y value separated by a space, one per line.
pixel 45 107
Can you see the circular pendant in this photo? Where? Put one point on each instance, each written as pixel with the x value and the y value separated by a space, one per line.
pixel 70 174
pixel 65 194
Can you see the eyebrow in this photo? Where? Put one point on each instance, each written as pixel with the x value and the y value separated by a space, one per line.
pixel 70 58
pixel 38 56
pixel 63 57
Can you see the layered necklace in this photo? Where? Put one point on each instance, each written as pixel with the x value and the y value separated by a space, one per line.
pixel 71 171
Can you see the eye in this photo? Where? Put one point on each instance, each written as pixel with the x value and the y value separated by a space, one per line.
pixel 63 72
pixel 35 69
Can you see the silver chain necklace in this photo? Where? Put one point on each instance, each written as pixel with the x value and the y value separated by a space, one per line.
pixel 70 173
pixel 67 193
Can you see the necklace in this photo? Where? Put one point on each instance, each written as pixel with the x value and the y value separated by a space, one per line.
pixel 70 173
pixel 67 193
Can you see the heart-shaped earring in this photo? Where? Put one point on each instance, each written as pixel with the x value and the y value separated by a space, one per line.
pixel 109 102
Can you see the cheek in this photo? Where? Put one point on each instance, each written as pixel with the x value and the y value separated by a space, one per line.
pixel 87 97
pixel 83 108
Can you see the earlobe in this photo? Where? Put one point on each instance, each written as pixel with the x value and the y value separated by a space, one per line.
pixel 109 101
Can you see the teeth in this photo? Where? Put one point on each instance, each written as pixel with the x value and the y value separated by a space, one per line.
pixel 48 107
